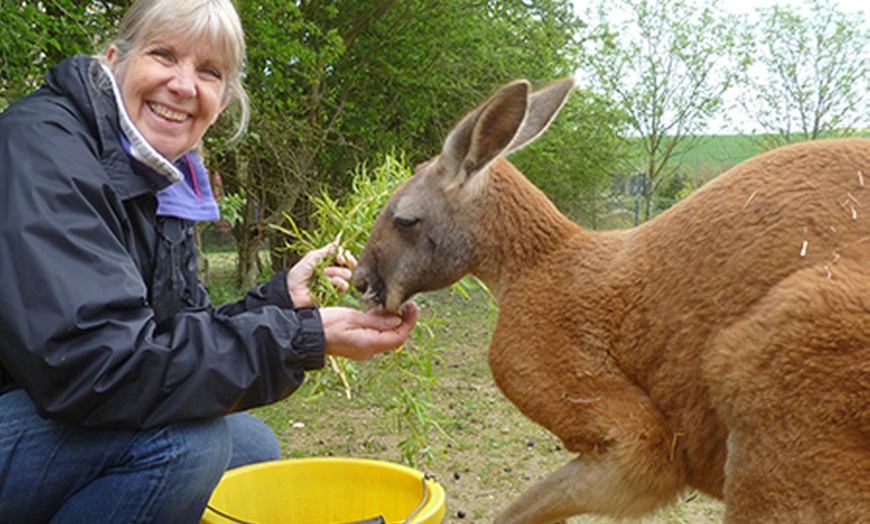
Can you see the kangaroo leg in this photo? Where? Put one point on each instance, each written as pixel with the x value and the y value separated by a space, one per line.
pixel 792 383
pixel 584 485
pixel 627 468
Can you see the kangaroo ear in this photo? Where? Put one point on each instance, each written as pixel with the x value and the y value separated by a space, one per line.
pixel 544 105
pixel 485 133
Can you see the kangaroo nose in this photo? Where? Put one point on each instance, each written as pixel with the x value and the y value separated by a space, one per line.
pixel 359 280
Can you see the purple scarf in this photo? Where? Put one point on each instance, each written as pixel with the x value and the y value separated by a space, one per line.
pixel 192 198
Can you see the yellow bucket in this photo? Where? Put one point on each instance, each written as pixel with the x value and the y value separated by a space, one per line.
pixel 325 491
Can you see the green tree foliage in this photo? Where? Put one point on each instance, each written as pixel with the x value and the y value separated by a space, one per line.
pixel 810 77
pixel 668 65
pixel 34 35
pixel 403 378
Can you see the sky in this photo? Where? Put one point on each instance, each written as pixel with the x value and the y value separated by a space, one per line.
pixel 735 120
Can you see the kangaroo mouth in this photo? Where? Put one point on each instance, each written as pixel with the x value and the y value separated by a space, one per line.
pixel 375 297
pixel 376 294
pixel 373 290
pixel 378 297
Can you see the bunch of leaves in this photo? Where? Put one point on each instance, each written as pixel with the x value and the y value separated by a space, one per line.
pixel 231 206
pixel 404 378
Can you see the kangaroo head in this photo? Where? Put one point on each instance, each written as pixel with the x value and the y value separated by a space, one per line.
pixel 426 237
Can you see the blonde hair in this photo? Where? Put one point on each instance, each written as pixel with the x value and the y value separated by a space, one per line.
pixel 214 21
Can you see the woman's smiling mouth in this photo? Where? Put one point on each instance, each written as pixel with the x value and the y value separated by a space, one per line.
pixel 168 114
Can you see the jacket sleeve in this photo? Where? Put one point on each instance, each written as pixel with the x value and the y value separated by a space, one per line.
pixel 76 327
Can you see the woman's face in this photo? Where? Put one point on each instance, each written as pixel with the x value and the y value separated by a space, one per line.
pixel 173 91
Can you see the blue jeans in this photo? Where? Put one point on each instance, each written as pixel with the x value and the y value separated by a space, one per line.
pixel 55 472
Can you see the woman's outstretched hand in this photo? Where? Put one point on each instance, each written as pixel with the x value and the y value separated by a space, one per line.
pixel 360 335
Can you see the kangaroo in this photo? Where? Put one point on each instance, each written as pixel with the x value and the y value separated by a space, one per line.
pixel 723 346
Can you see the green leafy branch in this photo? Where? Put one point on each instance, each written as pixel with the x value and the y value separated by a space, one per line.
pixel 405 377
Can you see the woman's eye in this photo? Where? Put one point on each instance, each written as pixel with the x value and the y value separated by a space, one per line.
pixel 163 55
pixel 405 222
pixel 212 72
pixel 159 52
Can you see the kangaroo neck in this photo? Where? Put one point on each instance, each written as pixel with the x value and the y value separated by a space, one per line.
pixel 517 227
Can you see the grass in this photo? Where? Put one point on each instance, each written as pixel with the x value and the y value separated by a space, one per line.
pixel 488 452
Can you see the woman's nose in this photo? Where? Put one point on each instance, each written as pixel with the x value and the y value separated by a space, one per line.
pixel 183 82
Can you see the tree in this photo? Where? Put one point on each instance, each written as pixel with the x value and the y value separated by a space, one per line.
pixel 811 75
pixel 668 65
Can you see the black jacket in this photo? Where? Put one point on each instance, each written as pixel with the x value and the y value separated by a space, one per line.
pixel 102 318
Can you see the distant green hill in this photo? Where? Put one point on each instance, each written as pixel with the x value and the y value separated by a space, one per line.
pixel 715 154
pixel 718 153
pixel 708 157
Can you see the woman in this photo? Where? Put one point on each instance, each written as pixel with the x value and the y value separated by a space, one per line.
pixel 122 387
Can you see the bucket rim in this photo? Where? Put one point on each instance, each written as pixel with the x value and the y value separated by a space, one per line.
pixel 432 506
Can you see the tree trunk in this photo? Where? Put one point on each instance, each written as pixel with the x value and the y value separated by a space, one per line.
pixel 201 260
pixel 248 268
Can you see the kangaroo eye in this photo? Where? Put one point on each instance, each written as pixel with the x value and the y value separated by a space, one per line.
pixel 406 222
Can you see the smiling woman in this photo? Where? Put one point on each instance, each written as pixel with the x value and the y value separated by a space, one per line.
pixel 122 387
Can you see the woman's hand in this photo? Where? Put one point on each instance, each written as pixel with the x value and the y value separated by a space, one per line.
pixel 360 335
pixel 299 276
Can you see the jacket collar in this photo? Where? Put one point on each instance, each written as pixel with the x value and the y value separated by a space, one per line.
pixel 94 92
pixel 139 148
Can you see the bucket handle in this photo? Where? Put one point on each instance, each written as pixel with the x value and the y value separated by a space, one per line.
pixel 423 502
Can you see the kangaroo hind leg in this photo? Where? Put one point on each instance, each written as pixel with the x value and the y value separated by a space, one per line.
pixel 583 486
pixel 631 472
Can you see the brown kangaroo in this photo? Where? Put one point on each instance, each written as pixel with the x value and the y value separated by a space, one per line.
pixel 723 346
